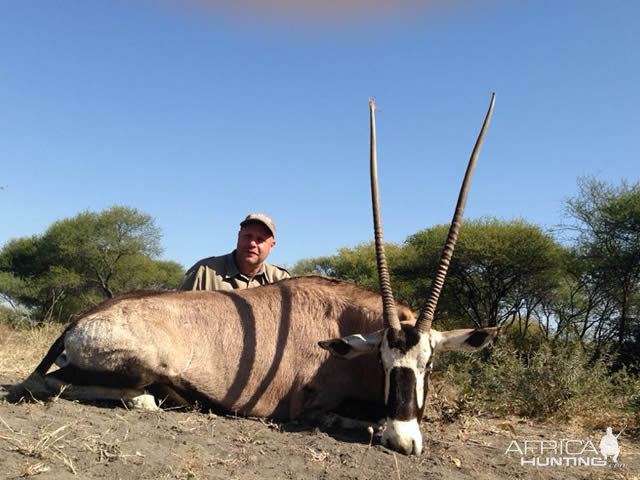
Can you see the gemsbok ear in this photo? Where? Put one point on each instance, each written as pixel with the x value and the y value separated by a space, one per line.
pixel 353 346
pixel 464 340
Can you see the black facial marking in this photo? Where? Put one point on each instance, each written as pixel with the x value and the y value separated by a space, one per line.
pixel 340 347
pixel 402 403
pixel 477 338
pixel 404 339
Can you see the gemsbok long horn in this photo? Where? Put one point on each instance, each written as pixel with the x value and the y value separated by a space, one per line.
pixel 388 304
pixel 423 324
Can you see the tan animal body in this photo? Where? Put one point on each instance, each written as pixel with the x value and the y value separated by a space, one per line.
pixel 252 351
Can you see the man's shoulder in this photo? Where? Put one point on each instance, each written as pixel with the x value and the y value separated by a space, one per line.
pixel 215 263
pixel 276 272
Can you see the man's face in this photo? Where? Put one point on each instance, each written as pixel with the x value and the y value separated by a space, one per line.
pixel 255 241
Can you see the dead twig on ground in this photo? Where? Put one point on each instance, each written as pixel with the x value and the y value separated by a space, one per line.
pixel 7 425
pixel 317 456
pixel 395 459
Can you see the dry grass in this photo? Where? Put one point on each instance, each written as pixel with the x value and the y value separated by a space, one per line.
pixel 41 447
pixel 58 447
pixel 32 469
pixel 317 455
pixel 46 446
pixel 599 420
pixel 24 348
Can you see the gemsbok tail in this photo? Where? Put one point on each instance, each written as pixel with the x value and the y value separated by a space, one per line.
pixel 34 385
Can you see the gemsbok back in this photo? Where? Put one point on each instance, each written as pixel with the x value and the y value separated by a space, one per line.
pixel 255 352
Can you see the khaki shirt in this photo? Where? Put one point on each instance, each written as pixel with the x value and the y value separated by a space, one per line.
pixel 221 273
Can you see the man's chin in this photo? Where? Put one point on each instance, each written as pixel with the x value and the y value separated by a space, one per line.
pixel 251 259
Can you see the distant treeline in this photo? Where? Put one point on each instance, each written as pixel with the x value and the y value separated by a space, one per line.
pixel 81 261
pixel 577 284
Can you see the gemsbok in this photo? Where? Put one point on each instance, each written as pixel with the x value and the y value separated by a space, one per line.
pixel 255 352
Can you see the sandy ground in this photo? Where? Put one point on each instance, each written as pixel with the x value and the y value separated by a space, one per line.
pixel 63 439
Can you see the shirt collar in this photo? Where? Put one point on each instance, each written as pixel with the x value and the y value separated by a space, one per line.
pixel 231 269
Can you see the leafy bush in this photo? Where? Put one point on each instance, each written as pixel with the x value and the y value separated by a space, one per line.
pixel 544 382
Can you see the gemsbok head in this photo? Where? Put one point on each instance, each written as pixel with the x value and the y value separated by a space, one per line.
pixel 407 352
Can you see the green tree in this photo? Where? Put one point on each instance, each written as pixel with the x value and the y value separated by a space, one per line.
pixel 100 245
pixel 607 250
pixel 83 260
pixel 579 304
pixel 358 265
pixel 500 271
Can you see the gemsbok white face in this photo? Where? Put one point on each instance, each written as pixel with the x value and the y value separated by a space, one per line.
pixel 407 351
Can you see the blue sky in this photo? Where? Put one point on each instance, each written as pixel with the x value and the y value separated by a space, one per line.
pixel 198 114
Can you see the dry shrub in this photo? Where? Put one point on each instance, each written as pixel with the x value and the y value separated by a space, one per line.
pixel 15 318
pixel 545 383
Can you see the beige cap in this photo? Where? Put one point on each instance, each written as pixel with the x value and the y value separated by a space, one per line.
pixel 266 220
